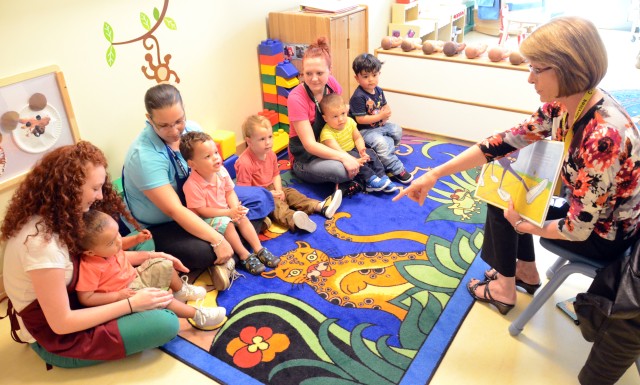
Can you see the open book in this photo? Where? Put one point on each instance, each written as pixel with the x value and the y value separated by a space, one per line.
pixel 527 177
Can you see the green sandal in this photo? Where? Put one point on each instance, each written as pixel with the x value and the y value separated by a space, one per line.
pixel 267 258
pixel 253 264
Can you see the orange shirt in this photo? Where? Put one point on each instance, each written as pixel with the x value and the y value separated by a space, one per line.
pixel 105 275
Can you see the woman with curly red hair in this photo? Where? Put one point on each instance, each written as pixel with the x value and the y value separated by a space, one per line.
pixel 41 229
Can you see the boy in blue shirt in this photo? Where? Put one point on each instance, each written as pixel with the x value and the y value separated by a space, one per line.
pixel 370 110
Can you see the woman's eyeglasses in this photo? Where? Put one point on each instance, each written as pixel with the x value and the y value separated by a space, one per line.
pixel 537 71
pixel 167 126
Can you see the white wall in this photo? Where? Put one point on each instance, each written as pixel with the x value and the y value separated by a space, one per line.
pixel 214 51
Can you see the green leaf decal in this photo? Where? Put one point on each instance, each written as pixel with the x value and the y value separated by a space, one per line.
pixel 108 32
pixel 146 22
pixel 170 23
pixel 156 14
pixel 111 55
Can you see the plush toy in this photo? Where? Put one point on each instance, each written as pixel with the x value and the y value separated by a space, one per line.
pixel 389 42
pixel 410 44
pixel 498 53
pixel 453 48
pixel 431 46
pixel 516 58
pixel 475 50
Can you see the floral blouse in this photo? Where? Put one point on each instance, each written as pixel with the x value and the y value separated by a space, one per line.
pixel 601 169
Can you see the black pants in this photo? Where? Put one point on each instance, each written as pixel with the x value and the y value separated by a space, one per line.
pixel 369 169
pixel 194 253
pixel 503 246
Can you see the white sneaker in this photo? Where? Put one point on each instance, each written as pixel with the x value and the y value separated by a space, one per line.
pixel 331 204
pixel 209 318
pixel 189 292
pixel 302 221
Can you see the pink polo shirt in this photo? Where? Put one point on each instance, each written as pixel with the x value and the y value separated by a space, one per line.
pixel 200 193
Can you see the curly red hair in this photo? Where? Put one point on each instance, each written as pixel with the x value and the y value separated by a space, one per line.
pixel 53 190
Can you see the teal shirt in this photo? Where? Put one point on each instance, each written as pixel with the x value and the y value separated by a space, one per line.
pixel 147 166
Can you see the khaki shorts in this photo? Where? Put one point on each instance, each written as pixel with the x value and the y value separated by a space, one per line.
pixel 154 272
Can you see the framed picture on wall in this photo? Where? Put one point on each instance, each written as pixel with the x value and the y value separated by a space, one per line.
pixel 35 118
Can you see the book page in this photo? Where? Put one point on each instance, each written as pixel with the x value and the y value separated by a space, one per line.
pixel 527 177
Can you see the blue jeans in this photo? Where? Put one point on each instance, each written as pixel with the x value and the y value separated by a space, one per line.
pixel 320 171
pixel 383 140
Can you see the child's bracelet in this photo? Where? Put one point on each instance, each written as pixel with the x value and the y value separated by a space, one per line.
pixel 130 308
pixel 217 244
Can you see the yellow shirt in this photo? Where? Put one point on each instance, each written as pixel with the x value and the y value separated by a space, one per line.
pixel 344 137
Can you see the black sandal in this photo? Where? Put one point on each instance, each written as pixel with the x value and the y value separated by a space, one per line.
pixel 492 274
pixel 503 308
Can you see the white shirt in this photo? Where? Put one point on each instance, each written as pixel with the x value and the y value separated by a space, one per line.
pixel 23 254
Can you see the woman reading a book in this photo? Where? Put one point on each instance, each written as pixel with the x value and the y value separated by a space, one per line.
pixel 600 171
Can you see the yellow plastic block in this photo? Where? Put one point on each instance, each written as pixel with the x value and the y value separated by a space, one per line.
pixel 287 83
pixel 280 140
pixel 269 89
pixel 266 69
pixel 283 118
pixel 226 141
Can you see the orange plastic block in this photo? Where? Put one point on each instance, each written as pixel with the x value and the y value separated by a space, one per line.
pixel 271 115
pixel 280 140
pixel 272 60
pixel 270 98
pixel 282 101
pixel 226 141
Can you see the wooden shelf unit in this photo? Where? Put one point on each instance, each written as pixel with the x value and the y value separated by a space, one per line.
pixel 347 32
pixel 455 97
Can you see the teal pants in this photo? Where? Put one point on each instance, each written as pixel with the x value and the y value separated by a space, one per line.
pixel 139 331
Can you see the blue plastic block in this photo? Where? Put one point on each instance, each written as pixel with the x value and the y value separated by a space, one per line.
pixel 286 70
pixel 270 47
pixel 229 164
pixel 284 91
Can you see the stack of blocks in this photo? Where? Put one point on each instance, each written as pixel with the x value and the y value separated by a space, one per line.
pixel 280 136
pixel 270 54
pixel 279 77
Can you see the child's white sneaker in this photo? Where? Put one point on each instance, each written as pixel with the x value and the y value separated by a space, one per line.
pixel 302 222
pixel 331 204
pixel 209 318
pixel 189 292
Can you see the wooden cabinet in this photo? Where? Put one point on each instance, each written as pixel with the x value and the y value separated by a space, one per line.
pixel 347 34
pixel 455 97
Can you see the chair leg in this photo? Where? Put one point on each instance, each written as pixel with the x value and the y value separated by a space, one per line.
pixel 543 295
pixel 556 265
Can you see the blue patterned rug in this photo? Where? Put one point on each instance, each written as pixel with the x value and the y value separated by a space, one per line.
pixel 374 296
